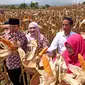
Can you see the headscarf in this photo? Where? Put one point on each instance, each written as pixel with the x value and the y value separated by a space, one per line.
pixel 78 44
pixel 39 35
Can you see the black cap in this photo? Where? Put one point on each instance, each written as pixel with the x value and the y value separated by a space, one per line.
pixel 14 21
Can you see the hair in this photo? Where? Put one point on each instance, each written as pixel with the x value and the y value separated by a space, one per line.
pixel 69 19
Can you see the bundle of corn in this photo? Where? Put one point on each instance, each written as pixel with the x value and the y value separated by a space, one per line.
pixel 76 78
pixel 7 44
pixel 53 71
pixel 6 47
pixel 60 68
pixel 47 75
pixel 28 59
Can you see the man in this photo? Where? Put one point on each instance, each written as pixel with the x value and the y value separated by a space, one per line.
pixel 61 37
pixel 13 61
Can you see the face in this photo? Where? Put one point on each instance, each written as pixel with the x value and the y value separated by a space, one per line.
pixel 13 28
pixel 32 30
pixel 66 25
pixel 69 49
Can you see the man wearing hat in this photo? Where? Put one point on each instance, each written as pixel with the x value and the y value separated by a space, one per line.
pixel 13 61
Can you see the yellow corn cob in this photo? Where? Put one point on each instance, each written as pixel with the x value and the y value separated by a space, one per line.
pixel 82 61
pixel 8 43
pixel 46 65
pixel 42 52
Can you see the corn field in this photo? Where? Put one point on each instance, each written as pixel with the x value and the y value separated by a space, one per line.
pixel 49 19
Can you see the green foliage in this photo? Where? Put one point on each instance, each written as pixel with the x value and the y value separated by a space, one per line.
pixel 23 6
pixel 83 3
pixel 12 7
pixel 47 6
pixel 34 5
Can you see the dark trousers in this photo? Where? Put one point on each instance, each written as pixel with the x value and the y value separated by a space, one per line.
pixel 15 77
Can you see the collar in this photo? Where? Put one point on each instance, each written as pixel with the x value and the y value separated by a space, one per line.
pixel 65 35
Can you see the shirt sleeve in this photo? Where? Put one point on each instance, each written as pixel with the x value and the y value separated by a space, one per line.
pixel 54 44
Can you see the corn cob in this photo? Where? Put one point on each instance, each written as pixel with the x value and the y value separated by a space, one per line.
pixel 46 65
pixel 82 61
pixel 8 43
pixel 42 52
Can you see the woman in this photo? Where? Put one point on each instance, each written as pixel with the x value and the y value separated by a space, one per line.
pixel 75 44
pixel 34 34
pixel 40 41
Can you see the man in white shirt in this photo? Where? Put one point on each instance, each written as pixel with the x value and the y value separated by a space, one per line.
pixel 61 37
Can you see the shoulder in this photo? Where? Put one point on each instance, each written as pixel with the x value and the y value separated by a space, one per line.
pixel 58 34
pixel 21 34
pixel 42 37
pixel 62 32
pixel 71 33
pixel 28 35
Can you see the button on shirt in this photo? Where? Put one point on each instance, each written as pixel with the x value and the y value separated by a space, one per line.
pixel 58 42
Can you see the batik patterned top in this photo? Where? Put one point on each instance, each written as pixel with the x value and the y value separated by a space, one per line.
pixel 13 61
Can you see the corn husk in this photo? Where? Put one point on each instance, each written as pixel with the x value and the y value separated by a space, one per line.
pixel 79 74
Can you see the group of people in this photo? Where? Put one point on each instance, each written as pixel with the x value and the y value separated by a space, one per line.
pixel 67 43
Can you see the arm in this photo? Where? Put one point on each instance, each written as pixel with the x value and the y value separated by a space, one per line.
pixel 54 44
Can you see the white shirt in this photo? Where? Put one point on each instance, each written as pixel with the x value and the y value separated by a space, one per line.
pixel 58 42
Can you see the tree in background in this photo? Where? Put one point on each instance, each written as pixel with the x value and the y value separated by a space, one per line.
pixel 23 6
pixel 47 6
pixel 12 7
pixel 34 5
pixel 83 3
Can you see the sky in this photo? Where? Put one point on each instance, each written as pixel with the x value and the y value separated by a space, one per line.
pixel 42 2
